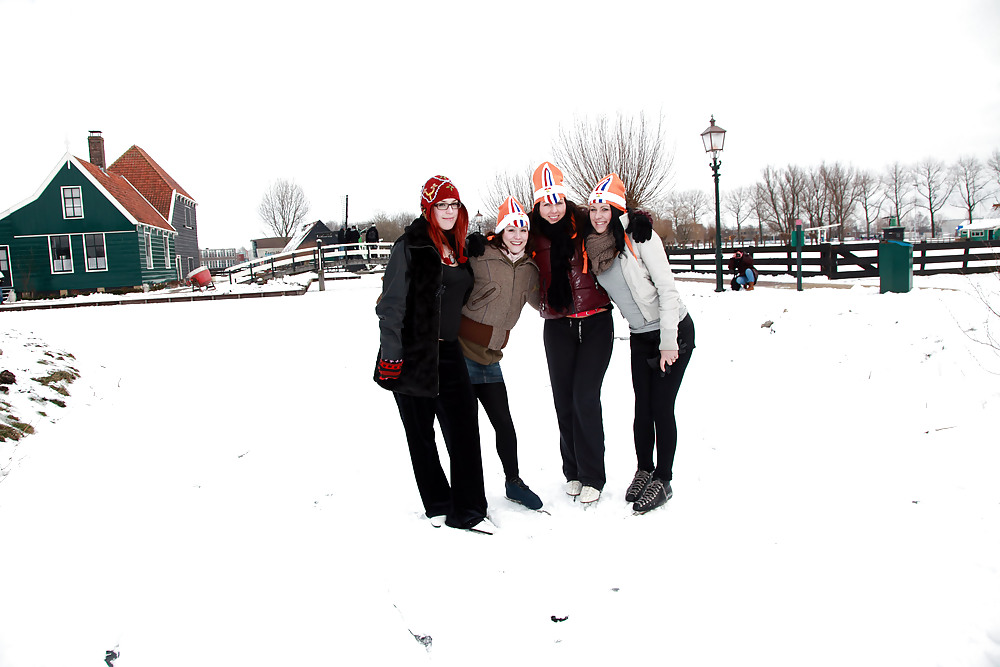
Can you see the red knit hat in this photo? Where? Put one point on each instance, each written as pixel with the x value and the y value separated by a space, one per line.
pixel 436 189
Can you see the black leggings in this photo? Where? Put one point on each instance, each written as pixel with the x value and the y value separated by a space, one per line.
pixel 493 396
pixel 655 396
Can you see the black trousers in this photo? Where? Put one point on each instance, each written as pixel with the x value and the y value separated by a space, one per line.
pixel 655 424
pixel 578 352
pixel 463 502
pixel 493 396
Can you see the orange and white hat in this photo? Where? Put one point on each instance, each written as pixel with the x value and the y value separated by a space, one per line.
pixel 610 190
pixel 548 183
pixel 511 213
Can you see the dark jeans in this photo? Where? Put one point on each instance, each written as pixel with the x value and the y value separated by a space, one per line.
pixel 655 396
pixel 463 502
pixel 578 352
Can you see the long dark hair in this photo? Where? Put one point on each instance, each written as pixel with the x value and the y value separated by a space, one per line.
pixel 565 239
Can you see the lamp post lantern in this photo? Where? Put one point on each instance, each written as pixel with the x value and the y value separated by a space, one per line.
pixel 714 137
pixel 478 219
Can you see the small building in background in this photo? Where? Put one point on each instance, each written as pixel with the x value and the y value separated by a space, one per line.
pixel 220 259
pixel 260 248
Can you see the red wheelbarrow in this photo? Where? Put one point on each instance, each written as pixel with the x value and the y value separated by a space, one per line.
pixel 200 278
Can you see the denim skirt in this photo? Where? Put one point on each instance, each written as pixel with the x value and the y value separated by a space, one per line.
pixel 483 374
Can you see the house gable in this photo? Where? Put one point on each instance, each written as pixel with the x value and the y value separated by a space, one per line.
pixel 150 179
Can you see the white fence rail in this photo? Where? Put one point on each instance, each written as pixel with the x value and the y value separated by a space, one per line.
pixel 339 257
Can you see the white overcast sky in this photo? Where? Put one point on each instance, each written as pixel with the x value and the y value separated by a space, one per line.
pixel 370 98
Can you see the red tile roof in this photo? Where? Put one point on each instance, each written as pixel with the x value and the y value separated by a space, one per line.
pixel 128 197
pixel 149 178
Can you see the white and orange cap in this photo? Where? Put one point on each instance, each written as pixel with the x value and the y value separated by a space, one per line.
pixel 610 190
pixel 511 213
pixel 548 183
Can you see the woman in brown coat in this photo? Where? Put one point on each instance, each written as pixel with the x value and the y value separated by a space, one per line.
pixel 505 279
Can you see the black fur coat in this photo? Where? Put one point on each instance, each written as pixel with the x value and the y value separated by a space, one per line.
pixel 409 312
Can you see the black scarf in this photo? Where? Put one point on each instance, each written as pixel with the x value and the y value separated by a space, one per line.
pixel 559 295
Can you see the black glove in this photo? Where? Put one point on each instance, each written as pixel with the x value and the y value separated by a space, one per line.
pixel 640 226
pixel 475 245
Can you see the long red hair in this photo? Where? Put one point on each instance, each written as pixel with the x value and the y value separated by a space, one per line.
pixel 461 229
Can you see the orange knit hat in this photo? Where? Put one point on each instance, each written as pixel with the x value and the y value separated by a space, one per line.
pixel 610 190
pixel 511 213
pixel 548 183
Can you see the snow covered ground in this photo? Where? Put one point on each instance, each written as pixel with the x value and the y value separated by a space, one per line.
pixel 227 486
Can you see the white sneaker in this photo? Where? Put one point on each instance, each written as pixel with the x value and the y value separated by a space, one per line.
pixel 589 495
pixel 573 487
pixel 485 527
pixel 437 521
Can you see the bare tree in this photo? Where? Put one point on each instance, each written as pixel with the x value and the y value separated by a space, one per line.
pixel 739 202
pixel 969 178
pixel 842 186
pixel 898 188
pixel 815 196
pixel 779 197
pixel 283 207
pixel 683 210
pixel 993 164
pixel 632 147
pixel 390 227
pixel 506 184
pixel 933 187
pixel 871 196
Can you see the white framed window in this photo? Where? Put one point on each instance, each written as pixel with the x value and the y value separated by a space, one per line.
pixel 60 254
pixel 95 252
pixel 149 250
pixel 166 251
pixel 72 202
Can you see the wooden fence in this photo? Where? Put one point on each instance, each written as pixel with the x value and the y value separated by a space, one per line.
pixel 846 260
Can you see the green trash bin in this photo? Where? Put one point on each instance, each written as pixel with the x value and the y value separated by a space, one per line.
pixel 895 266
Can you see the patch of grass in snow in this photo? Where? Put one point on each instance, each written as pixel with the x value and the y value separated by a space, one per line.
pixel 21 355
pixel 55 379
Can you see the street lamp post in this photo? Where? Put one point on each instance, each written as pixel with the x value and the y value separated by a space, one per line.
pixel 478 219
pixel 714 137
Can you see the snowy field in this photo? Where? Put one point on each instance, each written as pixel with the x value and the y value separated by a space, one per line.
pixel 227 486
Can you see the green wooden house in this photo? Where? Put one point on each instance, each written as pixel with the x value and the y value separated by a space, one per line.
pixel 981 230
pixel 86 229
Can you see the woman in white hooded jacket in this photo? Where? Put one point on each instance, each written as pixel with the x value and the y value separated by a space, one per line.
pixel 638 279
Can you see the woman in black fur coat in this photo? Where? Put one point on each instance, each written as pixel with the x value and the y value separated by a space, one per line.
pixel 426 283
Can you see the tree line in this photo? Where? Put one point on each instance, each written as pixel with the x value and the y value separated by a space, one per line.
pixel 849 201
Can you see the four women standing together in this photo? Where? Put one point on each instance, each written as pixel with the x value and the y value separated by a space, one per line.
pixel 570 263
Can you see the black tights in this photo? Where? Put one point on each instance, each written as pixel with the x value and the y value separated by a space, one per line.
pixel 655 424
pixel 493 396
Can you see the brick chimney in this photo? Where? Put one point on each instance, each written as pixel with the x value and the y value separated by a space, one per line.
pixel 96 142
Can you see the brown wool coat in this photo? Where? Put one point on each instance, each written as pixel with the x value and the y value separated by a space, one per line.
pixel 500 291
